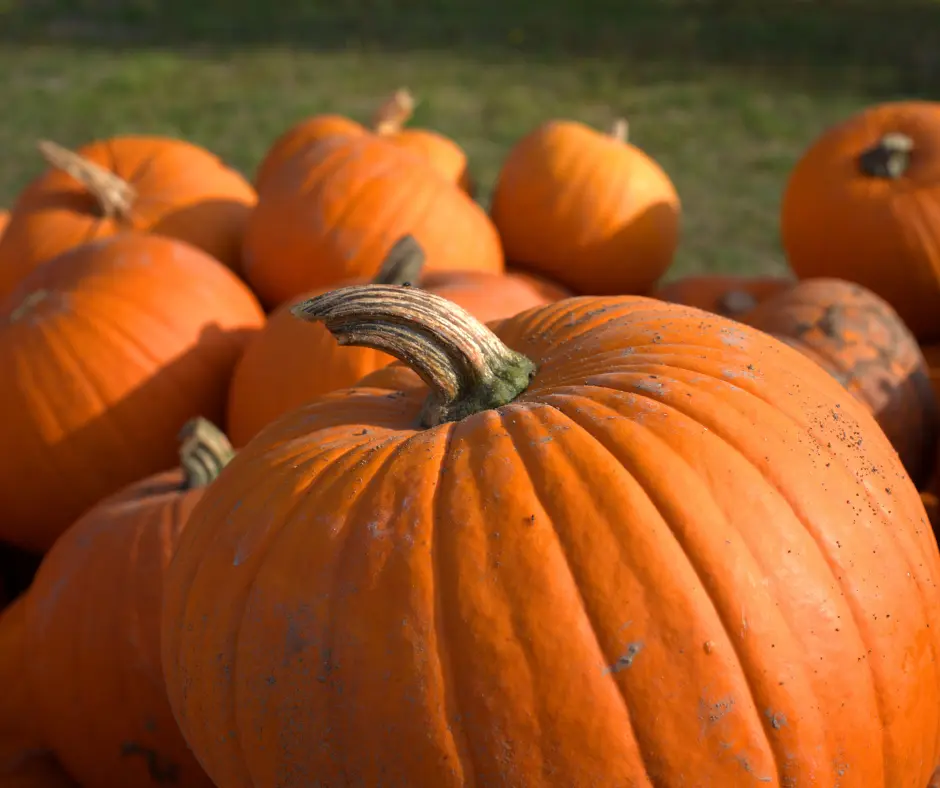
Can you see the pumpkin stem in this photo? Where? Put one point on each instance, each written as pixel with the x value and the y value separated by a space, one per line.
pixel 394 112
pixel 403 263
pixel 465 365
pixel 888 158
pixel 736 302
pixel 620 130
pixel 204 452
pixel 115 196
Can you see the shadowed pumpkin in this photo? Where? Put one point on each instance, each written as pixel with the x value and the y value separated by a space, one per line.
pixel 729 296
pixel 859 339
pixel 93 629
pixel 105 353
pixel 611 542
pixel 152 184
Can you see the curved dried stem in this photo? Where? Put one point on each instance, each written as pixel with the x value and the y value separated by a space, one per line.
pixel 465 365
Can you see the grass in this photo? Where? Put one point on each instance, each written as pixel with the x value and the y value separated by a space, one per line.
pixel 725 95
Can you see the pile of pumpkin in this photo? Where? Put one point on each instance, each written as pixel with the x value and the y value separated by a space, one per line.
pixel 575 535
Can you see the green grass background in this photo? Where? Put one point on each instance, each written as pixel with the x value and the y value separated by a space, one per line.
pixel 724 94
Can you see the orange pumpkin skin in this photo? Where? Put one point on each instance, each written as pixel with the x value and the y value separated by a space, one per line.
pixel 302 135
pixel 587 210
pixel 932 357
pixel 4 219
pixel 729 296
pixel 25 762
pixel 443 154
pixel 182 191
pixel 663 564
pixel 335 211
pixel 34 771
pixel 837 220
pixel 21 746
pixel 860 340
pixel 291 362
pixel 95 675
pixel 105 352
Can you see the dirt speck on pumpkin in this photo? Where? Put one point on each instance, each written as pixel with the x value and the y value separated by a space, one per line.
pixel 626 659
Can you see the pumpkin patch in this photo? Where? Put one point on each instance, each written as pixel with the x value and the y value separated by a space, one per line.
pixel 498 495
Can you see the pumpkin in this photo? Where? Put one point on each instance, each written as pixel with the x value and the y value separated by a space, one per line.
pixel 21 748
pixel 863 203
pixel 586 209
pixel 611 542
pixel 153 184
pixel 932 357
pixel 334 213
pixel 24 761
pixel 727 295
pixel 33 770
pixel 290 361
pixel 860 340
pixel 105 352
pixel 88 646
pixel 932 507
pixel 4 219
pixel 443 154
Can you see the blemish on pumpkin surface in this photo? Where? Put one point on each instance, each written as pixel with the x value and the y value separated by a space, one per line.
pixel 733 337
pixel 626 659
pixel 161 770
pixel 777 721
pixel 650 386
pixel 26 306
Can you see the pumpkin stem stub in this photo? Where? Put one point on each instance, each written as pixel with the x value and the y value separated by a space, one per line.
pixel 620 130
pixel 204 452
pixel 114 195
pixel 889 158
pixel 394 112
pixel 465 365
pixel 403 263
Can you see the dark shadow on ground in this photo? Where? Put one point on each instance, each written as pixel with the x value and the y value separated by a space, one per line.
pixel 891 46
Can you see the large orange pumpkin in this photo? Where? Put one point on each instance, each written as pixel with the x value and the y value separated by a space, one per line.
pixel 93 629
pixel 728 295
pixel 154 184
pixel 586 209
pixel 290 361
pixel 863 203
pixel 334 213
pixel 441 153
pixel 105 352
pixel 860 340
pixel 660 548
